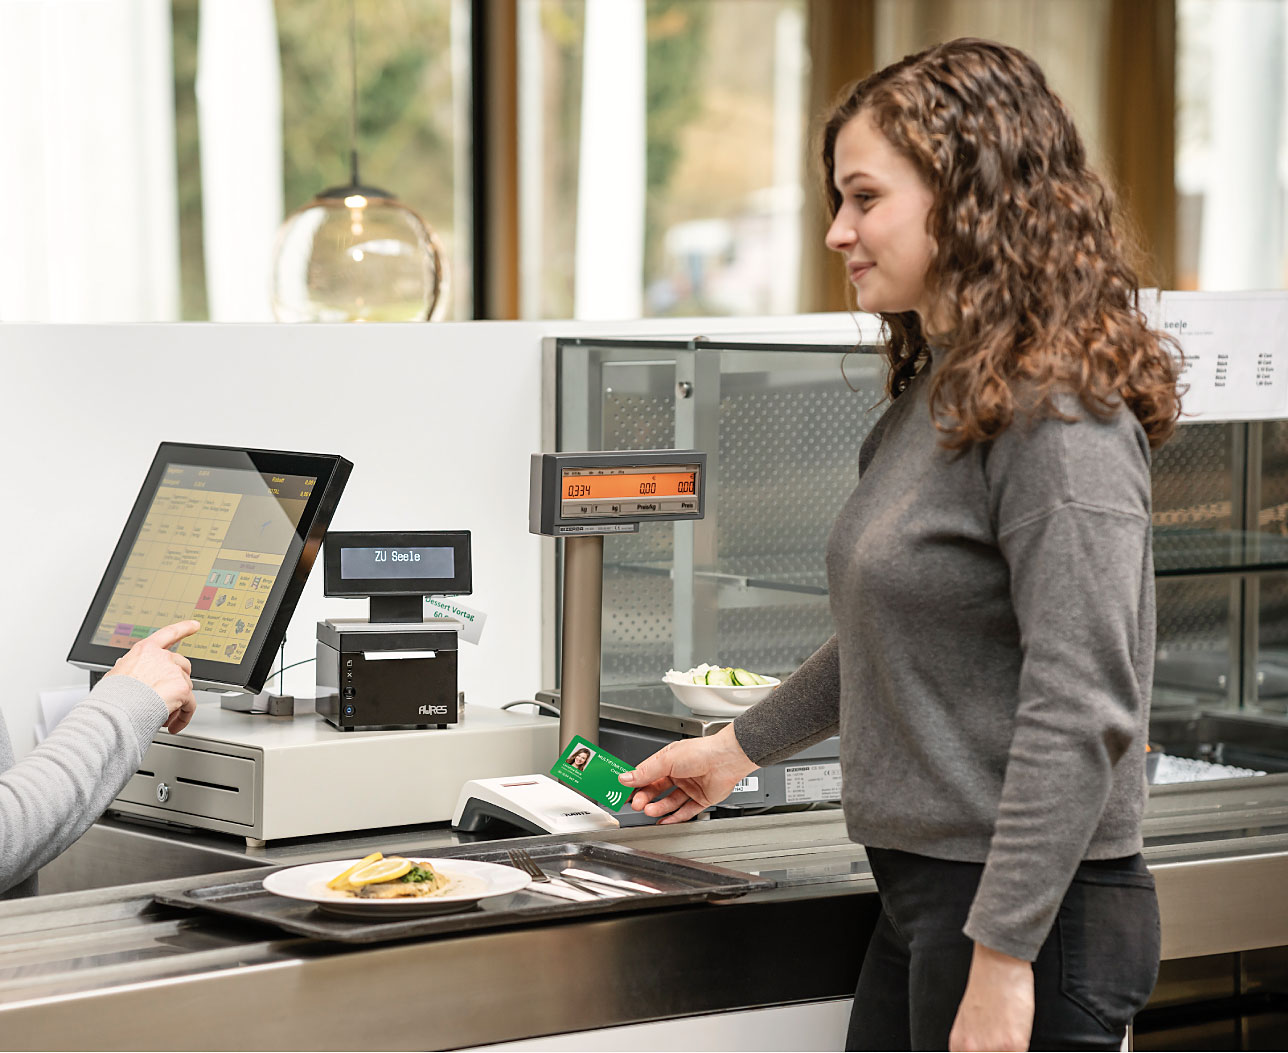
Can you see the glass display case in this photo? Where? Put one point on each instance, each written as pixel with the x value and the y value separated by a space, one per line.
pixel 782 424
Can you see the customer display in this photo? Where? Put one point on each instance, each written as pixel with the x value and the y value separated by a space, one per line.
pixel 397 563
pixel 221 535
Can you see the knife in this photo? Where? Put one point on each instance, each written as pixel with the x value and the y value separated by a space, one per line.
pixel 602 891
pixel 562 891
pixel 612 882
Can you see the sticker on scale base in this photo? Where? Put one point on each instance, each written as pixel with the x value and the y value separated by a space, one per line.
pixel 813 782
pixel 598 528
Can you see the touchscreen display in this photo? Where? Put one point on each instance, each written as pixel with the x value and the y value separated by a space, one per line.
pixel 211 547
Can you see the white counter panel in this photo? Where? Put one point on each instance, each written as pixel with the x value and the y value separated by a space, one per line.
pixel 439 421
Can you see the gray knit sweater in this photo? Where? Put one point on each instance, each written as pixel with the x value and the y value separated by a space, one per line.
pixel 51 796
pixel 994 648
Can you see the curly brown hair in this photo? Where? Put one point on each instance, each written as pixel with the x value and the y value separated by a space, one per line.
pixel 1032 272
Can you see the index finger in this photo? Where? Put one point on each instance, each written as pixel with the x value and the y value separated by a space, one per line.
pixel 169 635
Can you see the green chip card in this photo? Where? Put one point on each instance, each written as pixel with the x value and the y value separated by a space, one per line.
pixel 593 772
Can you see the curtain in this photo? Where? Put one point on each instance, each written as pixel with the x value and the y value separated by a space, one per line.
pixel 239 109
pixel 87 174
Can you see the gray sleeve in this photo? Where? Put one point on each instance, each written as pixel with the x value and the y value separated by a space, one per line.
pixel 51 796
pixel 803 710
pixel 1077 579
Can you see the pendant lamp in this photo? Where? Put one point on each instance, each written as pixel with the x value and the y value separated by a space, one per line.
pixel 356 253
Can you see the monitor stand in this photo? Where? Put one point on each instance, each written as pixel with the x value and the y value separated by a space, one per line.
pixel 267 702
pixel 397 608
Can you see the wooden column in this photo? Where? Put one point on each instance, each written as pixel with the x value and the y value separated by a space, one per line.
pixel 842 49
pixel 1139 122
pixel 495 185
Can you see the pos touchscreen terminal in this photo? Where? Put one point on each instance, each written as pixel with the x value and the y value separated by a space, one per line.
pixel 223 535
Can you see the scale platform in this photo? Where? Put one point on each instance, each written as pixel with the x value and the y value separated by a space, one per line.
pixel 636 721
pixel 269 778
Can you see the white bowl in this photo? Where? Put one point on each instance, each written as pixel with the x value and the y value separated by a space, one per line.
pixel 713 700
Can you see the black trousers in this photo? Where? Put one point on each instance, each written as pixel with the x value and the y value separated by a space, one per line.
pixel 1094 972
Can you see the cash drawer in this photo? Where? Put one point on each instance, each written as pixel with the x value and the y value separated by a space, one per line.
pixel 194 782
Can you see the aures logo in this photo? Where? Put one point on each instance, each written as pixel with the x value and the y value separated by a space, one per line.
pixel 432 711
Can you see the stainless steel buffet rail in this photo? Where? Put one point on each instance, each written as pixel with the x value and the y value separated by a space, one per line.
pixel 96 969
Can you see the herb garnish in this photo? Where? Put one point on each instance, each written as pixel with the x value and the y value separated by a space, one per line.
pixel 418 873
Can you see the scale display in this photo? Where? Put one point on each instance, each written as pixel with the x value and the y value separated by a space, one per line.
pixel 599 492
pixel 629 491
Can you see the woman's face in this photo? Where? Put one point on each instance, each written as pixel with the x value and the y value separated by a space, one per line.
pixel 880 227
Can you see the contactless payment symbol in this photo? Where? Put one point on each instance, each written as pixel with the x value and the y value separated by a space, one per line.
pixel 592 771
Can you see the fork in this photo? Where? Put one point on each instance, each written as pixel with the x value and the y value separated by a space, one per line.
pixel 520 858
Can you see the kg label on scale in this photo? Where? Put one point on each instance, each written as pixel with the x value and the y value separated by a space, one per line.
pixel 813 782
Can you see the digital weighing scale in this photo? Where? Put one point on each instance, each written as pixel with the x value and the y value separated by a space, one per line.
pixel 634 722
pixel 581 497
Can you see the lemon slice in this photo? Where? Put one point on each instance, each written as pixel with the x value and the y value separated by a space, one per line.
pixel 342 879
pixel 381 870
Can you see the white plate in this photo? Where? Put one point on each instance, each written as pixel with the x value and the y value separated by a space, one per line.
pixel 713 701
pixel 478 881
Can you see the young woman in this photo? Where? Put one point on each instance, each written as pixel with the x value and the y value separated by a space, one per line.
pixel 990 578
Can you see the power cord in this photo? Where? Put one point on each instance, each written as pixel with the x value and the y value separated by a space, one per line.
pixel 532 702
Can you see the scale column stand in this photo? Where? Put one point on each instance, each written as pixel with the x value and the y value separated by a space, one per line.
pixel 580 497
pixel 583 605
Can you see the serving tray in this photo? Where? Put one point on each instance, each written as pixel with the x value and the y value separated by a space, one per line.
pixel 679 881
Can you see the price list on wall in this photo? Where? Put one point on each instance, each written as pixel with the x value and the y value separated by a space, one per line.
pixel 1236 352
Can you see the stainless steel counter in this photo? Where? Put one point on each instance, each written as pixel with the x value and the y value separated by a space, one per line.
pixel 106 968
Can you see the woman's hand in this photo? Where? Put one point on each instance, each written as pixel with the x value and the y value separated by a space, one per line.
pixel 700 772
pixel 996 1011
pixel 167 673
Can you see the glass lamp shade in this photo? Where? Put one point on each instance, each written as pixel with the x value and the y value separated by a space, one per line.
pixel 357 254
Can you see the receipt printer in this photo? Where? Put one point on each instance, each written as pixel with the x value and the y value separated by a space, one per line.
pixel 394 669
pixel 387 674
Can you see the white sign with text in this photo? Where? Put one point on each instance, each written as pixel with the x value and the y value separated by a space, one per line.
pixel 1236 353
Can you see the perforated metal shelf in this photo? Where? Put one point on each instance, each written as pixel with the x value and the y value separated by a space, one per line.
pixel 1185 553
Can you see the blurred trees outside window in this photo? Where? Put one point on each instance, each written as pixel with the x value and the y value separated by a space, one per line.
pixel 725 154
pixel 727 212
pixel 412 120
pixel 730 151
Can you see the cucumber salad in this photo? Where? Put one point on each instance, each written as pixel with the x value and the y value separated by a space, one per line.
pixel 718 676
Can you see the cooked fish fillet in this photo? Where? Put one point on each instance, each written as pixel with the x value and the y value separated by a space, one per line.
pixel 396 889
